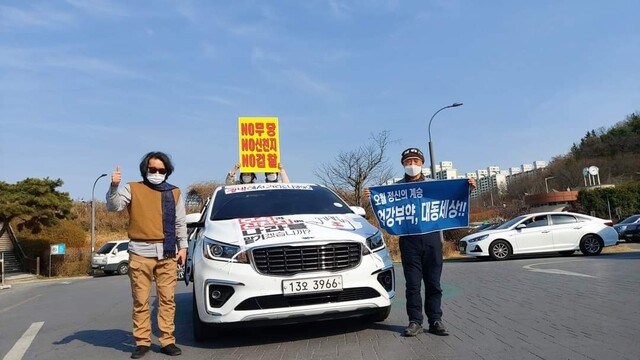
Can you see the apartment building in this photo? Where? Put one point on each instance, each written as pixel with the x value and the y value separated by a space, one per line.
pixel 489 180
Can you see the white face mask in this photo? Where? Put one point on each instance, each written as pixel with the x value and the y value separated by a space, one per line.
pixel 156 178
pixel 412 170
pixel 246 179
pixel 272 177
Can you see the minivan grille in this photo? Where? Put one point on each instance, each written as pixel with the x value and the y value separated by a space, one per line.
pixel 281 301
pixel 287 260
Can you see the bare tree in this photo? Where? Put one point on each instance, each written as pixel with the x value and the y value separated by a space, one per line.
pixel 354 170
pixel 198 193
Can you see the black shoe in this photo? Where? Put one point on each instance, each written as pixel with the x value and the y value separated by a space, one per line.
pixel 171 350
pixel 139 352
pixel 438 328
pixel 413 329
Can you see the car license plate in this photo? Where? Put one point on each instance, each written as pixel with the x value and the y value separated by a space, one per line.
pixel 312 285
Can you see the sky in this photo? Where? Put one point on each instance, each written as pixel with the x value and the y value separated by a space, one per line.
pixel 86 85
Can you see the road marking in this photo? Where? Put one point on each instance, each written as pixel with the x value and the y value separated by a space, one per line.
pixel 555 271
pixel 18 304
pixel 20 348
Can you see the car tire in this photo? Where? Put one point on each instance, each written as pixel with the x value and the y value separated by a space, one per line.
pixel 180 273
pixel 591 245
pixel 123 268
pixel 201 330
pixel 567 253
pixel 500 250
pixel 381 315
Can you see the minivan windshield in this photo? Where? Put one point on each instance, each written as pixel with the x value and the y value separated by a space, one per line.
pixel 106 248
pixel 260 200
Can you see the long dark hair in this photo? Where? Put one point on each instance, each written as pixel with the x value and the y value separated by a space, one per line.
pixel 166 160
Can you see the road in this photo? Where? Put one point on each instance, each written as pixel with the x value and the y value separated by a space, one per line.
pixel 530 308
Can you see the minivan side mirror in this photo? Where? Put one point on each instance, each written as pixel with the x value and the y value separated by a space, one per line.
pixel 193 221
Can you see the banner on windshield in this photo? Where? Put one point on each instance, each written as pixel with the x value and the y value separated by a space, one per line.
pixel 421 207
pixel 259 144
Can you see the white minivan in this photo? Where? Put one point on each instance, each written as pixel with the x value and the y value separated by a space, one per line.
pixel 284 253
pixel 113 257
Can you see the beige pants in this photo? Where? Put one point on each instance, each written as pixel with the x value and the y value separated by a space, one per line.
pixel 142 270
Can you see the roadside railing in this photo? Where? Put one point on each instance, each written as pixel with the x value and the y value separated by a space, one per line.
pixel 29 265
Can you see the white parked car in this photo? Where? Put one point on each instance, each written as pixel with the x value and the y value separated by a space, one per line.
pixel 562 232
pixel 285 253
pixel 112 257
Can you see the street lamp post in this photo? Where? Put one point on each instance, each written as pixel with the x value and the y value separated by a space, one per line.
pixel 431 155
pixel 93 220
pixel 546 182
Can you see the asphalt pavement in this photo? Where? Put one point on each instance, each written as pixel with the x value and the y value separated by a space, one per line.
pixel 529 308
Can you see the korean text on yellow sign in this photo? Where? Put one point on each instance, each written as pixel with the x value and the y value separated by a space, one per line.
pixel 259 144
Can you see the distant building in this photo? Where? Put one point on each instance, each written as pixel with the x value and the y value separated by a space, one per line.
pixel 539 165
pixel 553 201
pixel 515 171
pixel 489 184
pixel 444 171
pixel 490 180
pixel 491 170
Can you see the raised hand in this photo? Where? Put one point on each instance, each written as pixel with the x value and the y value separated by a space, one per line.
pixel 116 177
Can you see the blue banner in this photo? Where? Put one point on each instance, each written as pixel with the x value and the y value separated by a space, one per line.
pixel 421 207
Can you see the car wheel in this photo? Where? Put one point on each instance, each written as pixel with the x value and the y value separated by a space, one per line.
pixel 500 250
pixel 180 274
pixel 381 315
pixel 123 268
pixel 567 253
pixel 201 330
pixel 591 245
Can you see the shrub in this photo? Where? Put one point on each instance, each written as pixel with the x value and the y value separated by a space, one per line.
pixel 66 231
pixel 450 249
pixel 75 262
pixel 105 220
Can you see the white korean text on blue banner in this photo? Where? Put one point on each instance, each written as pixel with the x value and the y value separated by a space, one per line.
pixel 421 207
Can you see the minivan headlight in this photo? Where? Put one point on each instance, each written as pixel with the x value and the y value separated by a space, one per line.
pixel 220 251
pixel 478 238
pixel 375 242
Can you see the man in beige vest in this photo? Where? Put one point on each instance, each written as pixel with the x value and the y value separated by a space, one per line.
pixel 157 227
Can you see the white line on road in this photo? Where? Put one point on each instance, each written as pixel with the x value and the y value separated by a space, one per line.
pixel 20 348
pixel 18 304
pixel 555 271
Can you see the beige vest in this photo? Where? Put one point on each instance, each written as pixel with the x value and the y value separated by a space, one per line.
pixel 145 213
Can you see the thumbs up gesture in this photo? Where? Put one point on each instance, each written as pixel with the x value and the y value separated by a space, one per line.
pixel 116 177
